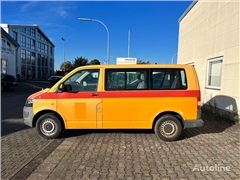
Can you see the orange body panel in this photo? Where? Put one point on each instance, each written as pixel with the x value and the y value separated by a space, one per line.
pixel 140 112
pixel 79 113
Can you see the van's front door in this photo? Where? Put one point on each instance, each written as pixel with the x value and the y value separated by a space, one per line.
pixel 79 103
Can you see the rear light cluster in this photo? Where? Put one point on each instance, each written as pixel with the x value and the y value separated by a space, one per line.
pixel 199 102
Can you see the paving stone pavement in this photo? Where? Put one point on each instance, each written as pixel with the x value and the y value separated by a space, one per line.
pixel 18 149
pixel 210 152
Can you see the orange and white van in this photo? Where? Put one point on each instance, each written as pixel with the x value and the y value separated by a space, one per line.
pixel 165 98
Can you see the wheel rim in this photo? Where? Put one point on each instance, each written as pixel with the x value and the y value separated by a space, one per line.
pixel 48 127
pixel 168 129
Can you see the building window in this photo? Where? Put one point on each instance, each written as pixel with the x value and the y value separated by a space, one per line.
pixel 32 44
pixel 23 41
pixel 29 72
pixel 42 48
pixel 32 32
pixel 33 58
pixel 51 50
pixel 46 49
pixel 4 66
pixel 46 61
pixel 42 59
pixel 23 56
pixel 24 30
pixel 28 31
pixel 39 60
pixel 214 72
pixel 39 46
pixel 14 35
pixel 28 57
pixel 28 42
pixel 3 42
pixel 8 45
pixel 41 37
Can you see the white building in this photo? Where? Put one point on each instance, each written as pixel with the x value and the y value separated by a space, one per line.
pixel 8 53
pixel 35 56
pixel 209 39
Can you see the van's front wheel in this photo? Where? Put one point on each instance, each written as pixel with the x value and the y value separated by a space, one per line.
pixel 168 128
pixel 48 126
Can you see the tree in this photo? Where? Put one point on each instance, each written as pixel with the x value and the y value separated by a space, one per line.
pixel 66 66
pixel 142 62
pixel 94 62
pixel 80 62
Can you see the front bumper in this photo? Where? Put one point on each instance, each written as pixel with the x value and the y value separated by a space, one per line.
pixel 28 116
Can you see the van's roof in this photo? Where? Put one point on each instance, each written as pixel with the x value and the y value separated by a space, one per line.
pixel 136 66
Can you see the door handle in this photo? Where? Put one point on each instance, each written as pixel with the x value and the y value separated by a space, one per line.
pixel 94 94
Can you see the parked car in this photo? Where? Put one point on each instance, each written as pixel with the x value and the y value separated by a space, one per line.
pixel 54 79
pixel 8 82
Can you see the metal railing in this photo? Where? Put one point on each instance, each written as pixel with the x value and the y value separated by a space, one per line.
pixel 7 50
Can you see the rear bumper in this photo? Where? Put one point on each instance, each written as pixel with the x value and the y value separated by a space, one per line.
pixel 193 123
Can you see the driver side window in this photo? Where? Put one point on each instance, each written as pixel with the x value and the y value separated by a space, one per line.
pixel 82 81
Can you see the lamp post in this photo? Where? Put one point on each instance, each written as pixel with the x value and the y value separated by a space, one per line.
pixel 64 47
pixel 173 57
pixel 108 40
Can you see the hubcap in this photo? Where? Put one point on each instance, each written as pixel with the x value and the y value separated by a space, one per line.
pixel 168 128
pixel 48 127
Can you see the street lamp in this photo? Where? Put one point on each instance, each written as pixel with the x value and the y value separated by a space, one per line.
pixel 108 40
pixel 173 57
pixel 64 47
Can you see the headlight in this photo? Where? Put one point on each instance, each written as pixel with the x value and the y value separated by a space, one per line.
pixel 29 103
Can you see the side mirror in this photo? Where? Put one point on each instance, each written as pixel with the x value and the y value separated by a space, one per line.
pixel 61 87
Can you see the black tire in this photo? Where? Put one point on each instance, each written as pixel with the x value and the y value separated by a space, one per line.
pixel 168 128
pixel 48 126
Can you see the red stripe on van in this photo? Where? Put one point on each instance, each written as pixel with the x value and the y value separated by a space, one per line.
pixel 122 94
pixel 146 94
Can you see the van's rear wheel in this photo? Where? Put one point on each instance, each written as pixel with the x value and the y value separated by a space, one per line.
pixel 168 128
pixel 48 126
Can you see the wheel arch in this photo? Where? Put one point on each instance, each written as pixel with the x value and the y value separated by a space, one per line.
pixel 45 112
pixel 178 116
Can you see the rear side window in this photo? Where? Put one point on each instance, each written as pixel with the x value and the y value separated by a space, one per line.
pixel 168 79
pixel 126 79
pixel 145 79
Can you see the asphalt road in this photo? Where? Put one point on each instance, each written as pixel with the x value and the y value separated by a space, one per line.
pixel 12 103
